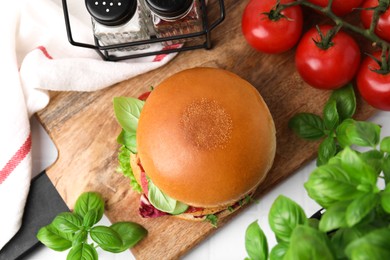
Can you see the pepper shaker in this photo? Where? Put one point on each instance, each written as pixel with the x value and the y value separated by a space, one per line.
pixel 175 17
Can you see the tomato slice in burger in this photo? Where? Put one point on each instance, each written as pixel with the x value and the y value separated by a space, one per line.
pixel 144 96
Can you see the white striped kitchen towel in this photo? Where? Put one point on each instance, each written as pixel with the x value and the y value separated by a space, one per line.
pixel 36 57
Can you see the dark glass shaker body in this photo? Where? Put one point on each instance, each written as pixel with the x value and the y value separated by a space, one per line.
pixel 175 17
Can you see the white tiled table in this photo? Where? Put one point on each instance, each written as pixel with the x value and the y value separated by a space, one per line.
pixel 228 242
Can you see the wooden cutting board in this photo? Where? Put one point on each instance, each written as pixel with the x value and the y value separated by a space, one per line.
pixel 84 130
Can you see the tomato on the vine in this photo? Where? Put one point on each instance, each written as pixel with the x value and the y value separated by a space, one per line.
pixel 328 68
pixel 269 32
pixel 382 28
pixel 374 87
pixel 339 7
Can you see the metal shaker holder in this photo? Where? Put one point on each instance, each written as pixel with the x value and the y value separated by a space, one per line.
pixel 104 51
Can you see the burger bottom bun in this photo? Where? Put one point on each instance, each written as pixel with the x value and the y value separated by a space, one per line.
pixel 202 214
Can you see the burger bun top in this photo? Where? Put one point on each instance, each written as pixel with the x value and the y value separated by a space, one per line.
pixel 205 137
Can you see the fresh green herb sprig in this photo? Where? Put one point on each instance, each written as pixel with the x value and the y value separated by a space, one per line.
pixel 70 230
pixel 340 106
pixel 350 183
pixel 356 222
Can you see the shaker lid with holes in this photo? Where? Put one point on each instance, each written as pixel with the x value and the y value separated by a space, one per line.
pixel 111 12
pixel 169 8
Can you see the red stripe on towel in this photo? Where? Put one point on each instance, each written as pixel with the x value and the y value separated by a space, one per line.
pixel 16 159
pixel 160 57
pixel 44 51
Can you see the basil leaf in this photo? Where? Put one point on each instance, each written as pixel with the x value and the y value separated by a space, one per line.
pixel 80 237
pixel 385 199
pixel 67 222
pixel 341 238
pixel 374 245
pixel 374 159
pixel 368 251
pixel 313 222
pixel 342 132
pixel 308 243
pixel 345 101
pixel 89 201
pixel 335 160
pixel 107 238
pixel 54 239
pixel 307 126
pixel 334 217
pixel 82 252
pixel 278 251
pixel 163 202
pixel 330 115
pixel 326 150
pixel 386 168
pixel 330 183
pixel 385 144
pixel 358 170
pixel 91 218
pixel 125 168
pixel 255 242
pixel 127 111
pixel 128 140
pixel 281 223
pixel 366 134
pixel 361 207
pixel 359 133
pixel 131 233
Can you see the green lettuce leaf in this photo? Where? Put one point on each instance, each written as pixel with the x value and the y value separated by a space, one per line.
pixel 125 168
pixel 163 202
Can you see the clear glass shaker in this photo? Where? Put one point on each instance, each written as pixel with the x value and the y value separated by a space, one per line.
pixel 175 17
pixel 118 21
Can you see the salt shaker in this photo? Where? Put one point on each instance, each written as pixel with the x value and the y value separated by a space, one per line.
pixel 175 17
pixel 118 21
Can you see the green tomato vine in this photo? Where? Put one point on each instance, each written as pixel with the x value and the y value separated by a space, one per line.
pixel 369 33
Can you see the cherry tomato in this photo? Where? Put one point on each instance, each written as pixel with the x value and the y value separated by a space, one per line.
pixel 382 29
pixel 374 87
pixel 327 68
pixel 268 35
pixel 144 96
pixel 339 7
